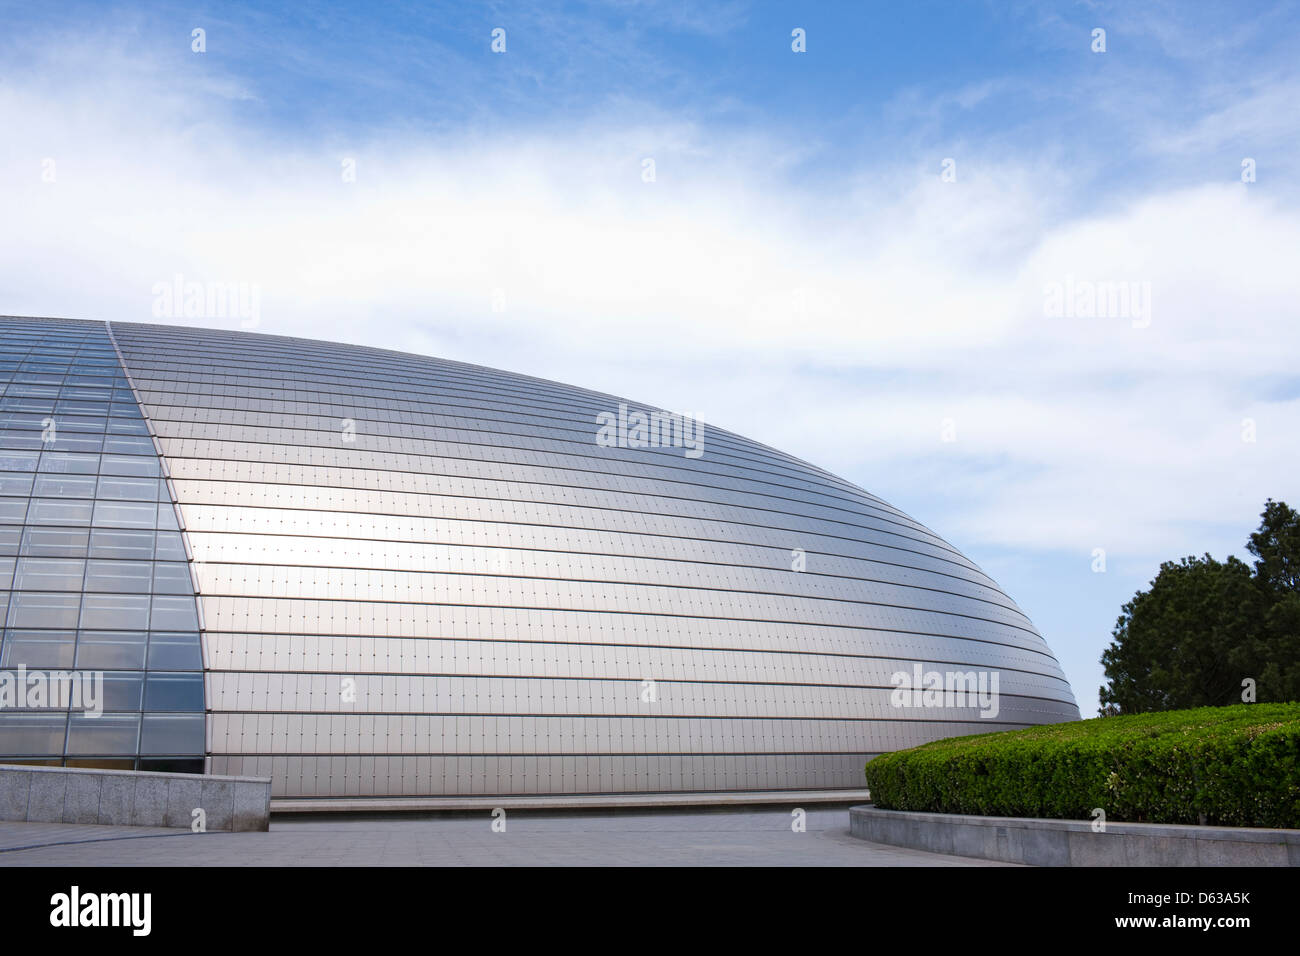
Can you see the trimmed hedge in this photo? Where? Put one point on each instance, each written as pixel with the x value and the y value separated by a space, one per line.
pixel 1225 766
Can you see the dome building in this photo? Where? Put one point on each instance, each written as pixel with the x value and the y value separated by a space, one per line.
pixel 364 573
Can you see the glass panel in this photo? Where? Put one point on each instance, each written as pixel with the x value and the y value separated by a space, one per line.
pixel 139 467
pixel 106 734
pixel 69 464
pixel 18 460
pixel 115 612
pixel 49 574
pixel 55 542
pixel 53 511
pixel 43 391
pixel 172 734
pixel 22 734
pixel 83 423
pixel 13 510
pixel 89 381
pixel 65 486
pixel 17 438
pixel 127 426
pixel 128 489
pixel 167 517
pixel 128 444
pixel 170 546
pixel 78 393
pixel 102 649
pixel 118 577
pixel 16 483
pixel 173 692
pixel 71 441
pixel 28 609
pixel 122 690
pixel 175 652
pixel 121 544
pixel 124 514
pixel 174 614
pixel 52 649
pixel 171 577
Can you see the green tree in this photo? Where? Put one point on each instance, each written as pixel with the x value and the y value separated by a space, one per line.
pixel 1205 626
pixel 1276 547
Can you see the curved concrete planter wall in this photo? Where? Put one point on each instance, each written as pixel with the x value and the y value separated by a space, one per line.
pixel 133 798
pixel 1074 842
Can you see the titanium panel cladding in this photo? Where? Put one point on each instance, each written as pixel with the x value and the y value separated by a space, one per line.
pixel 420 577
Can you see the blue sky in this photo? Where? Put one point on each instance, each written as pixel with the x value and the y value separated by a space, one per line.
pixel 798 270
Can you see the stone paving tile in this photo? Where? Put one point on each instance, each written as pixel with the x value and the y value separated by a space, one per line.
pixel 671 838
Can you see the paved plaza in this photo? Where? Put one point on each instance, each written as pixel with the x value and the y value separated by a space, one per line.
pixel 751 837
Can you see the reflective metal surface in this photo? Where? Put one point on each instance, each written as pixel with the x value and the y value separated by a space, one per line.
pixel 422 577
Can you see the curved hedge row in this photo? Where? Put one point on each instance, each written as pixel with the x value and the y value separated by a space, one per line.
pixel 1227 766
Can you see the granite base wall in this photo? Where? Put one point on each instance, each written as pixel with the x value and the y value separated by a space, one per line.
pixel 133 798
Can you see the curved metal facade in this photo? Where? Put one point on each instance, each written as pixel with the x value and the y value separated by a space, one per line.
pixel 420 577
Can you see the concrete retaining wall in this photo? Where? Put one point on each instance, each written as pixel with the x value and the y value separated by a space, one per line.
pixel 133 798
pixel 1073 842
